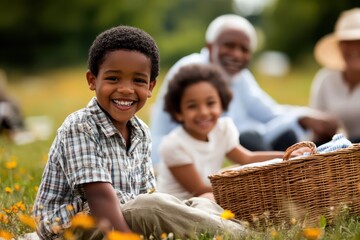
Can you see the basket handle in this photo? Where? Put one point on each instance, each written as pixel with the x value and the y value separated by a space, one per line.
pixel 298 145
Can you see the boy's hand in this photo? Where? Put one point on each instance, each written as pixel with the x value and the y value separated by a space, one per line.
pixel 105 206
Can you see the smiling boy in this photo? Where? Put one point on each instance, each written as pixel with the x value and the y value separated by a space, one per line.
pixel 99 162
pixel 100 157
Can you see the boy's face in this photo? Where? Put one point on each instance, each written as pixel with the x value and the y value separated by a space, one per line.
pixel 122 85
pixel 231 51
pixel 200 108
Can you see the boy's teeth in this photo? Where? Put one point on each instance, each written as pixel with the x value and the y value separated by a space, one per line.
pixel 125 103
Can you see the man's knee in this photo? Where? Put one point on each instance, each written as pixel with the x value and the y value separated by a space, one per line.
pixel 252 141
pixel 284 140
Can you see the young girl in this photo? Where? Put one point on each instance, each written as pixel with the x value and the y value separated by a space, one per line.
pixel 196 98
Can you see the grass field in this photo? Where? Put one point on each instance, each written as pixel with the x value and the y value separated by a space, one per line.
pixel 56 94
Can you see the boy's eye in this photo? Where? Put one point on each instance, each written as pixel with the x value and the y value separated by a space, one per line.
pixel 191 106
pixel 111 78
pixel 140 80
pixel 210 103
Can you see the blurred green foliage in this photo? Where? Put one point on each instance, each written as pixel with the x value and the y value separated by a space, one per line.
pixel 50 33
pixel 295 26
pixel 45 34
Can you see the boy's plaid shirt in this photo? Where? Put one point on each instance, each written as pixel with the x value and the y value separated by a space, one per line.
pixel 88 148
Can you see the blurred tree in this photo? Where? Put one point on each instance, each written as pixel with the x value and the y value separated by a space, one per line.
pixel 295 26
pixel 185 25
pixel 50 33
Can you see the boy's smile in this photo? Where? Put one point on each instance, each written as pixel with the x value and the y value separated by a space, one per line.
pixel 122 85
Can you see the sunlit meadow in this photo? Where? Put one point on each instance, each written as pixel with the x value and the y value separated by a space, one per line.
pixel 56 94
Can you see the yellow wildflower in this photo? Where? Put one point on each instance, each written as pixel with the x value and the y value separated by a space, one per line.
pixel 69 235
pixel 163 236
pixel 312 233
pixel 36 188
pixel 69 207
pixel 17 187
pixel 11 164
pixel 83 221
pixel 274 234
pixel 20 205
pixel 8 211
pixel 44 158
pixel 227 214
pixel 218 237
pixel 14 209
pixel 27 220
pixel 5 235
pixel 4 218
pixel 116 235
pixel 8 190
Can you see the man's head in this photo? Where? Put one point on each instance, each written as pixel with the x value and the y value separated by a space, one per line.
pixel 230 40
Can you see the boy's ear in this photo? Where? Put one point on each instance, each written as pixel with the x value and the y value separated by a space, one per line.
pixel 91 79
pixel 151 87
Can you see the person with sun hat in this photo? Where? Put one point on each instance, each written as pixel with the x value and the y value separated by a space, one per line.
pixel 336 86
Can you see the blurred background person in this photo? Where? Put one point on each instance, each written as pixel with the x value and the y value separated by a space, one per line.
pixel 264 125
pixel 335 88
pixel 11 119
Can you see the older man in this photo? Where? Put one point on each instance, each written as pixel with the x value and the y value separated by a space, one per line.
pixel 263 124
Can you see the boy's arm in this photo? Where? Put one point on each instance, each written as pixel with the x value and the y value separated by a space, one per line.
pixel 104 205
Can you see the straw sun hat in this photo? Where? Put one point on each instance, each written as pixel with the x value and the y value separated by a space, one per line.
pixel 327 51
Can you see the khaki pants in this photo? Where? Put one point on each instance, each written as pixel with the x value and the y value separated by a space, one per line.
pixel 158 213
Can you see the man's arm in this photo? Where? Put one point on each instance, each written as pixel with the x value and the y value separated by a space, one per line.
pixel 323 125
pixel 104 205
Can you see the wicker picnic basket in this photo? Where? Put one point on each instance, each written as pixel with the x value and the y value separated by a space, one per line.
pixel 302 189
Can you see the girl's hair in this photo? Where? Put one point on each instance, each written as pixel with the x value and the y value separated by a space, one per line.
pixel 192 74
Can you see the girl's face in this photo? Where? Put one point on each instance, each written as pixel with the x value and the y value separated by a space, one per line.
pixel 200 108
pixel 122 85
pixel 351 53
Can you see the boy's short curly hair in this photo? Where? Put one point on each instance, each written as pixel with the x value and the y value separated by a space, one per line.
pixel 192 74
pixel 123 38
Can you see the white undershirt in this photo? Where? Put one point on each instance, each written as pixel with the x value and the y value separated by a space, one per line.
pixel 179 148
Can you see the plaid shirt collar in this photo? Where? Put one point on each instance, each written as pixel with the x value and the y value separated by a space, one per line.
pixel 103 120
